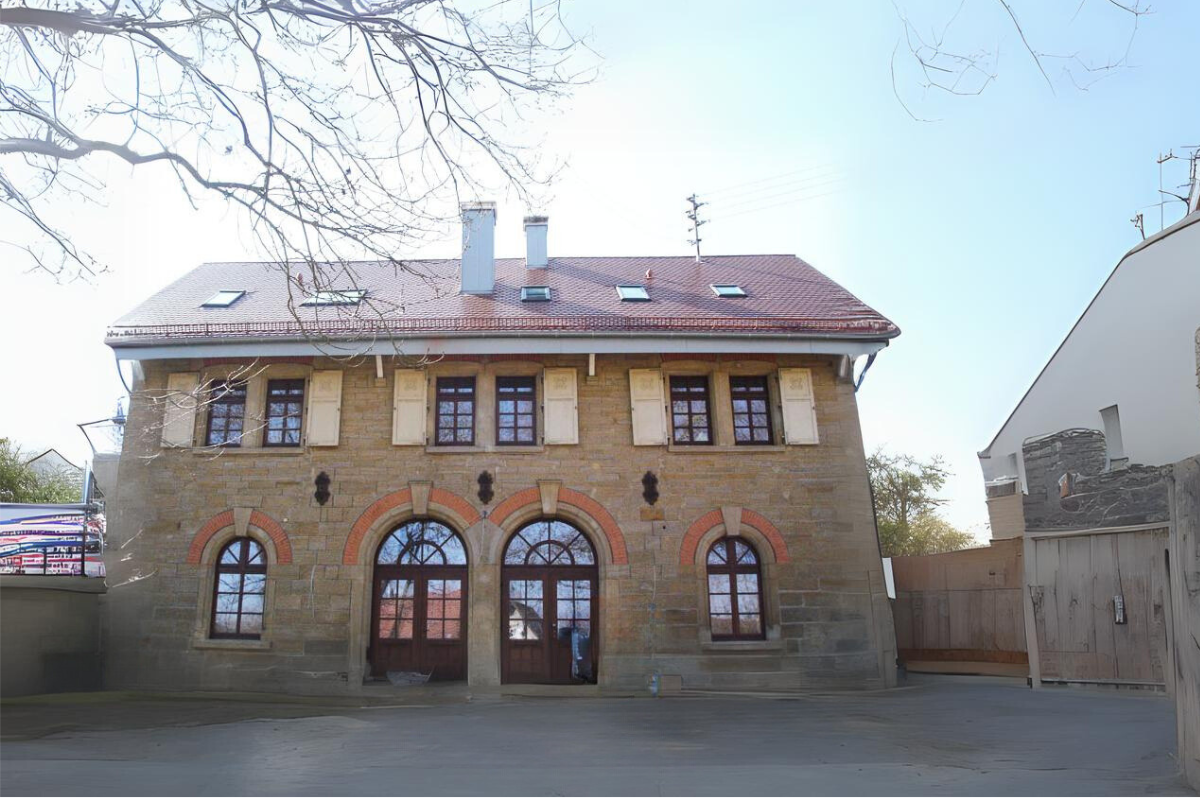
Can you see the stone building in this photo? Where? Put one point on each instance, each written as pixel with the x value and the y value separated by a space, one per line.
pixel 532 470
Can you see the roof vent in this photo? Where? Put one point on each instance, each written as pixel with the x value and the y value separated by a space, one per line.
pixel 536 229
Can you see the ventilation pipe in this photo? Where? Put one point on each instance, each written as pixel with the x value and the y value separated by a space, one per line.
pixel 478 268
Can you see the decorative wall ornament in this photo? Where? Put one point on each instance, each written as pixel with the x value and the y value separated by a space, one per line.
pixel 485 487
pixel 322 495
pixel 650 488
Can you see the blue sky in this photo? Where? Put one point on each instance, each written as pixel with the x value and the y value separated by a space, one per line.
pixel 983 234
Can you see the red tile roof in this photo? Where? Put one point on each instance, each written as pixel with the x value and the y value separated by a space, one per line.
pixel 785 295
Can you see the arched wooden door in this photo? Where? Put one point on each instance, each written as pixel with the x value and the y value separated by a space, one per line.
pixel 419 603
pixel 551 600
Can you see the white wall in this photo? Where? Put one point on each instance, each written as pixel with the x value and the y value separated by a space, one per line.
pixel 1135 348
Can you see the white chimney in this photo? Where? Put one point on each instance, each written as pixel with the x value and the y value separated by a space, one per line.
pixel 477 273
pixel 536 229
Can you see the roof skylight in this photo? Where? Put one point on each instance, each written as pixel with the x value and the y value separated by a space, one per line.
pixel 223 299
pixel 727 290
pixel 335 297
pixel 535 293
pixel 633 293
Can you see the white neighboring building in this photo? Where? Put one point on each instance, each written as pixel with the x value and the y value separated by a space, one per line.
pixel 1127 367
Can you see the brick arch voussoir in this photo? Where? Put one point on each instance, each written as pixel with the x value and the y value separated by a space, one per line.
pixel 579 501
pixel 448 500
pixel 752 519
pixel 219 522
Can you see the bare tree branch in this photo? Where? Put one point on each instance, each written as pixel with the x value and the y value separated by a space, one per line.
pixel 963 69
pixel 342 130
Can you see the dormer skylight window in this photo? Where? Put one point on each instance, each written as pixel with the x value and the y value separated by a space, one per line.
pixel 535 294
pixel 633 293
pixel 336 297
pixel 223 299
pixel 727 290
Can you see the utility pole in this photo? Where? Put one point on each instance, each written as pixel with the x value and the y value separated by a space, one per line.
pixel 694 216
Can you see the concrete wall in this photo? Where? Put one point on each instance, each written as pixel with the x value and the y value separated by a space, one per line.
pixel 1133 348
pixel 828 618
pixel 49 634
pixel 1070 485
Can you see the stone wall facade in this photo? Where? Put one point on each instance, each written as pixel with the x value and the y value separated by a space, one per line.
pixel 807 510
pixel 1071 486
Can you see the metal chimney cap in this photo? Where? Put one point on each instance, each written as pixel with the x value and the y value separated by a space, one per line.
pixel 537 220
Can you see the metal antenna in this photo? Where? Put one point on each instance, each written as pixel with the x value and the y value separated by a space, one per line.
pixel 1139 223
pixel 694 216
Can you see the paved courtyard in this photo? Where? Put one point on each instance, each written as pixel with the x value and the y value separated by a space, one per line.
pixel 935 736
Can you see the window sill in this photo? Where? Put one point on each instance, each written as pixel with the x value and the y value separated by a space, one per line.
pixel 756 646
pixel 479 448
pixel 726 448
pixel 250 645
pixel 213 452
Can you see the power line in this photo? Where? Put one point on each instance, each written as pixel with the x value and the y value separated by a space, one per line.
pixel 749 194
pixel 768 179
pixel 770 206
pixel 829 180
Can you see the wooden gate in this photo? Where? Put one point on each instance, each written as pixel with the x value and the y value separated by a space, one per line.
pixel 1096 601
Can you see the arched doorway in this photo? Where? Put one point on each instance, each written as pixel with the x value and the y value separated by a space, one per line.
pixel 419 608
pixel 550 599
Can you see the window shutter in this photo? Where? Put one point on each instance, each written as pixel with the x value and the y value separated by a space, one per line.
pixel 646 401
pixel 408 407
pixel 562 406
pixel 325 408
pixel 799 410
pixel 179 416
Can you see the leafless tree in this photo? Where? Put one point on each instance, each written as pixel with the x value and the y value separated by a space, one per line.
pixel 955 58
pixel 340 129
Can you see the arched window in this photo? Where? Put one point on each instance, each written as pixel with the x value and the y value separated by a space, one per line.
pixel 239 590
pixel 422 542
pixel 550 542
pixel 734 590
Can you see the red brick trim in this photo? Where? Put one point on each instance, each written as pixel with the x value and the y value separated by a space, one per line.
pixel 577 500
pixel 772 534
pixel 459 505
pixel 265 523
pixel 697 530
pixel 510 504
pixel 388 502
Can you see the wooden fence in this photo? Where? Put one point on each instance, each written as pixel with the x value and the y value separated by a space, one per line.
pixel 1184 611
pixel 962 611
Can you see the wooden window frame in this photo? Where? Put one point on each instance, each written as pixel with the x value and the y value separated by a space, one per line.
pixel 222 394
pixel 517 382
pixel 688 395
pixel 267 417
pixel 242 568
pixel 440 395
pixel 736 384
pixel 733 569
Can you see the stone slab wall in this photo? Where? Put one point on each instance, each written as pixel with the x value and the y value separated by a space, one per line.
pixel 828 617
pixel 1069 485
